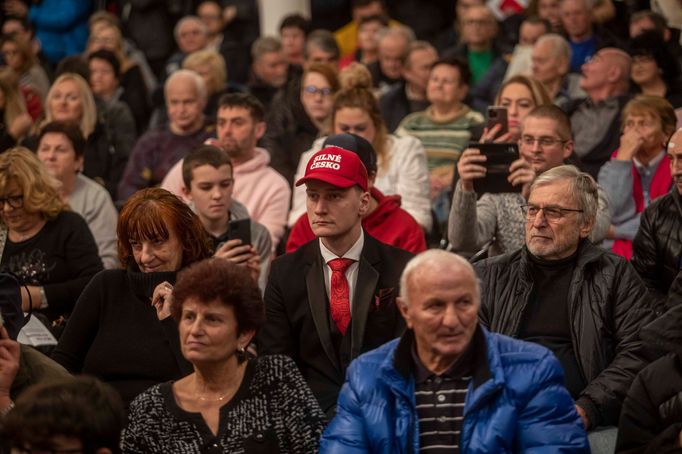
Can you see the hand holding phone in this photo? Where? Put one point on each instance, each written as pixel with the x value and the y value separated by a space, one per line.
pixel 497 115
pixel 471 165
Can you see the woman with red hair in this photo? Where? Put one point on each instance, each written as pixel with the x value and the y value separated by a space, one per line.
pixel 121 330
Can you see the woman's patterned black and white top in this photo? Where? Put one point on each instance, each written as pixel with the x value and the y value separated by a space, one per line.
pixel 273 411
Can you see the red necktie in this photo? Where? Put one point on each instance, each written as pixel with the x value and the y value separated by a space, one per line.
pixel 339 298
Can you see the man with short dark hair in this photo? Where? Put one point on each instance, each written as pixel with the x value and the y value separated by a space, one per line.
pixel 333 298
pixel 560 291
pixel 263 191
pixel 448 385
pixel 293 31
pixel 209 183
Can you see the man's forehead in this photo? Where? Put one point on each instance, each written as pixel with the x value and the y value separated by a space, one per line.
pixel 233 112
pixel 181 87
pixel 532 124
pixel 551 191
pixel 323 186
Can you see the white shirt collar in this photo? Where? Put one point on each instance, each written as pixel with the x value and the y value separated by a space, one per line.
pixel 353 253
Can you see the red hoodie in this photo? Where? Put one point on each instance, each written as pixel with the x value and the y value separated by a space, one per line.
pixel 388 223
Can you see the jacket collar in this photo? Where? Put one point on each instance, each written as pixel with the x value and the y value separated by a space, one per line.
pixel 402 359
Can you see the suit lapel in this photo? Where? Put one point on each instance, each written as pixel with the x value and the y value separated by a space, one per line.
pixel 368 277
pixel 317 299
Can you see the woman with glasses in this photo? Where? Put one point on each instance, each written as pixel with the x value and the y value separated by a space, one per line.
pixel 639 170
pixel 49 248
pixel 300 113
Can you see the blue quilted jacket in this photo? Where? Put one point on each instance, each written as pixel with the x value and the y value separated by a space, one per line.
pixel 516 402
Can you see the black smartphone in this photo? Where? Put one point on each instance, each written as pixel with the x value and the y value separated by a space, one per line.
pixel 500 156
pixel 497 115
pixel 240 229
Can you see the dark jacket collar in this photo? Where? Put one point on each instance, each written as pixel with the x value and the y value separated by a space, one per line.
pixel 403 363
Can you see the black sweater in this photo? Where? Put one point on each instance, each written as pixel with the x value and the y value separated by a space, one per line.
pixel 62 258
pixel 115 334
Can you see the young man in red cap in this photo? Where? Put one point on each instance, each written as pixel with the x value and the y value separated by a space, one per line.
pixel 384 219
pixel 333 299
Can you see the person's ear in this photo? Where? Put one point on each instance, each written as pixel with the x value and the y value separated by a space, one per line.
pixel 404 309
pixel 187 192
pixel 245 338
pixel 586 228
pixel 364 204
pixel 259 130
pixel 568 149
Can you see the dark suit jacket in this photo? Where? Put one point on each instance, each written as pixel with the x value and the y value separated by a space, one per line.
pixel 297 313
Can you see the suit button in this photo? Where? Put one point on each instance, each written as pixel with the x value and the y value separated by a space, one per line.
pixel 441 397
pixel 259 438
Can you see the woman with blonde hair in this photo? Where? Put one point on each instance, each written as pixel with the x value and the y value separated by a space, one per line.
pixel 519 95
pixel 15 122
pixel 49 248
pixel 109 133
pixel 402 167
pixel 210 65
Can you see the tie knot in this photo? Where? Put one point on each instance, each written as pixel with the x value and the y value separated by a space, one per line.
pixel 340 264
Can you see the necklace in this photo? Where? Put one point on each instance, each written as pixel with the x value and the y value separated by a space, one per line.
pixel 213 399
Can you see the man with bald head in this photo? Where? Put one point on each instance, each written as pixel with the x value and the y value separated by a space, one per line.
pixel 448 385
pixel 596 120
pixel 551 57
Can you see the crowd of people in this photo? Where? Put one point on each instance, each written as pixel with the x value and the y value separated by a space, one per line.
pixel 408 226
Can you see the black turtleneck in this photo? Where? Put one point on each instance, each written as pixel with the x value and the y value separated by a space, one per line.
pixel 547 320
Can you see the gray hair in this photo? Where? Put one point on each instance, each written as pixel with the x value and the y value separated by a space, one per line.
pixel 265 45
pixel 199 84
pixel 323 40
pixel 583 187
pixel 429 258
pixel 186 19
pixel 559 45
pixel 416 46
pixel 398 31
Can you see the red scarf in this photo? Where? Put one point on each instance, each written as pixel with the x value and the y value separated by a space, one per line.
pixel 660 185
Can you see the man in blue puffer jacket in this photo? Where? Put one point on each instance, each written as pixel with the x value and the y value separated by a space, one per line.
pixel 448 385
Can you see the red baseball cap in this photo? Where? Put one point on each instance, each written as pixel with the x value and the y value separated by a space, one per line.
pixel 336 166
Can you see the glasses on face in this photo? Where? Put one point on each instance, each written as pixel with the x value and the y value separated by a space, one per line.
pixel 544 141
pixel 551 213
pixel 313 90
pixel 15 201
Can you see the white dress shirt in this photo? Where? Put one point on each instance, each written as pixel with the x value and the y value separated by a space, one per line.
pixel 351 272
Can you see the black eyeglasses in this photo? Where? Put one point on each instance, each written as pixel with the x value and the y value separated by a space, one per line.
pixel 543 141
pixel 15 201
pixel 313 90
pixel 551 213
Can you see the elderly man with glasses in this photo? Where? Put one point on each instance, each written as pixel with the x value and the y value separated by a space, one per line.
pixel 493 222
pixel 581 302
